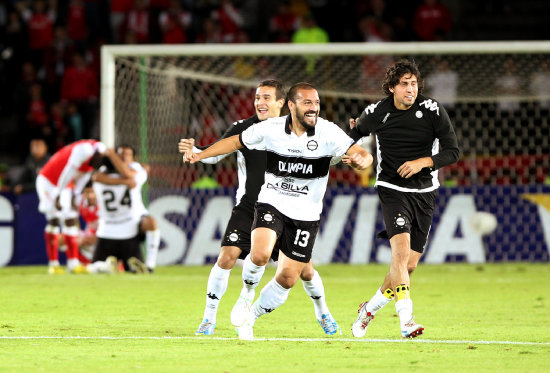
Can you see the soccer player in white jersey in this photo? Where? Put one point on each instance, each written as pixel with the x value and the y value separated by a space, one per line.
pixel 72 163
pixel 118 193
pixel 147 223
pixel 299 149
pixel 268 102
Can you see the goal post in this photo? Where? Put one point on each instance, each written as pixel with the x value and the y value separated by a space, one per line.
pixel 497 95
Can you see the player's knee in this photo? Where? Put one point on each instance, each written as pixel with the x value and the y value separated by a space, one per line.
pixel 307 273
pixel 286 280
pixel 227 259
pixel 54 222
pixel 260 258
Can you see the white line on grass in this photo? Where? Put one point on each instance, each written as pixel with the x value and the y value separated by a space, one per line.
pixel 204 338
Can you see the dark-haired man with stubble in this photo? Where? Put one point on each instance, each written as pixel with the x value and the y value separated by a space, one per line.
pixel 268 103
pixel 410 129
pixel 299 148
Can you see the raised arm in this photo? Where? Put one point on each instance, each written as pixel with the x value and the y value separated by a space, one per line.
pixel 224 146
pixel 187 146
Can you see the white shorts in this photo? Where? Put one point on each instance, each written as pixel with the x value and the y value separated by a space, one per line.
pixel 47 195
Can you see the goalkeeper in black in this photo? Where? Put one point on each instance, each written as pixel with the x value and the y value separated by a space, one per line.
pixel 414 138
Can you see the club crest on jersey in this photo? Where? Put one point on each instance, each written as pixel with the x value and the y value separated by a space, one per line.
pixel 295 167
pixel 431 105
pixel 418 114
pixel 233 237
pixel 312 145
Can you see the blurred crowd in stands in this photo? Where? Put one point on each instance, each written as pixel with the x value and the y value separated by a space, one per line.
pixel 50 49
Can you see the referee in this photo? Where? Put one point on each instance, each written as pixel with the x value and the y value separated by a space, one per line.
pixel 410 130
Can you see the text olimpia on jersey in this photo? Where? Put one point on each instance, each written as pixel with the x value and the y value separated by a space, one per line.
pixel 120 208
pixel 297 167
pixel 406 135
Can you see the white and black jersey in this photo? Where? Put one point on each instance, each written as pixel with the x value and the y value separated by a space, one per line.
pixel 296 172
pixel 250 166
pixel 406 135
pixel 119 207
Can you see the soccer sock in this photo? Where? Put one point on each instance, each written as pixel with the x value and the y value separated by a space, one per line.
pixel 215 289
pixel 51 236
pixel 403 304
pixel 152 243
pixel 316 292
pixel 252 274
pixel 379 300
pixel 272 296
pixel 70 234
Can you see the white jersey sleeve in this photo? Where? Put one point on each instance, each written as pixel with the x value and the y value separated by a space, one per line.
pixel 254 137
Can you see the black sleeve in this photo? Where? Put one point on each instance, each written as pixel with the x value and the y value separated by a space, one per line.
pixel 448 143
pixel 364 126
pixel 236 129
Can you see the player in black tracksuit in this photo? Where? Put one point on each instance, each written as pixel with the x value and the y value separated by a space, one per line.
pixel 410 129
pixel 236 241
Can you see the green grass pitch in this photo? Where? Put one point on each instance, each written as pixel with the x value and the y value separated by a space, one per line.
pixel 478 318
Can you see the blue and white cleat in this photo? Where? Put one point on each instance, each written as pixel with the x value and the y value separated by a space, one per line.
pixel 329 325
pixel 205 328
pixel 411 329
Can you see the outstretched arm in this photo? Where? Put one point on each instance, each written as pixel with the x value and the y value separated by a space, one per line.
pixel 224 146
pixel 187 146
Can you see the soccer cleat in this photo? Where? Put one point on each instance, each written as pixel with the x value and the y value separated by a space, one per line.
pixel 329 325
pixel 112 264
pixel 205 328
pixel 79 270
pixel 240 310
pixel 245 331
pixel 359 327
pixel 411 329
pixel 56 270
pixel 137 266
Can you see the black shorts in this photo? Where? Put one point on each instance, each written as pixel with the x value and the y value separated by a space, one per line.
pixel 295 238
pixel 121 249
pixel 239 229
pixel 407 212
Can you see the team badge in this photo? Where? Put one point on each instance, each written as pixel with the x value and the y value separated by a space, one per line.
pixel 268 217
pixel 399 221
pixel 233 237
pixel 312 145
pixel 419 114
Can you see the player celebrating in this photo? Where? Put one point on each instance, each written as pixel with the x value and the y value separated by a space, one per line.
pixel 268 103
pixel 73 162
pixel 409 129
pixel 299 148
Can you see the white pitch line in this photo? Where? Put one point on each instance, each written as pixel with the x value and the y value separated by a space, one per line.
pixel 204 338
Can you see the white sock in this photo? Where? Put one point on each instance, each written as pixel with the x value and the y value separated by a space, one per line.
pixel 72 263
pixel 404 308
pixel 272 296
pixel 316 292
pixel 252 274
pixel 53 263
pixel 377 302
pixel 152 243
pixel 99 267
pixel 215 289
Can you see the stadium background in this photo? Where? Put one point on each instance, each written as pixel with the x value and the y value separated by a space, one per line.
pixel 504 168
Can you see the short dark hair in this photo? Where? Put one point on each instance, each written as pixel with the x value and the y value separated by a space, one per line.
pixel 395 72
pixel 293 91
pixel 279 88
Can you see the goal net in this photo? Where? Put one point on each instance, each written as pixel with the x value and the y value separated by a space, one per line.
pixel 497 95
